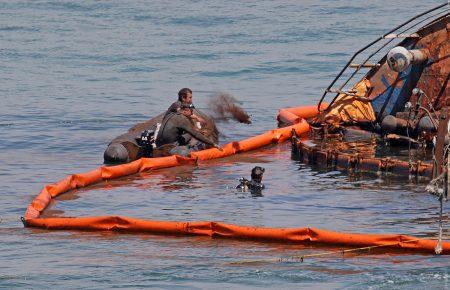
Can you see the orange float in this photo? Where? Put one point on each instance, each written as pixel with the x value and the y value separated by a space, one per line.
pixel 222 230
pixel 295 114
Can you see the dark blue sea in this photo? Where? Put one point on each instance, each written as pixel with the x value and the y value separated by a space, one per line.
pixel 75 74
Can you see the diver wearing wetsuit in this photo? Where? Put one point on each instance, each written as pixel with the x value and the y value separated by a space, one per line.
pixel 177 129
pixel 184 96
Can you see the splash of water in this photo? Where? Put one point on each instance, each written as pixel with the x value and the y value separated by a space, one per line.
pixel 225 106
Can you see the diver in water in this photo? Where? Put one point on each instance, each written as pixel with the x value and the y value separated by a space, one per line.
pixel 254 185
pixel 184 96
pixel 179 133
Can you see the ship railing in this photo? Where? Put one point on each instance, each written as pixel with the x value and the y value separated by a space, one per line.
pixel 400 32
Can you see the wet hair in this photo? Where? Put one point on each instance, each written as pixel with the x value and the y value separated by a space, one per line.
pixel 183 93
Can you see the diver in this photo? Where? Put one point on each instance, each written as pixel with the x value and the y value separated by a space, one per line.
pixel 178 134
pixel 254 185
pixel 184 96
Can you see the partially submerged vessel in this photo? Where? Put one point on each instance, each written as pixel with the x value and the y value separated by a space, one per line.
pixel 395 118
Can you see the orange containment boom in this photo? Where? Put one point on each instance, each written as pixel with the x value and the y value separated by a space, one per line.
pixel 296 114
pixel 211 229
pixel 222 230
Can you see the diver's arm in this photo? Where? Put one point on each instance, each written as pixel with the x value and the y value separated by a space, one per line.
pixel 188 127
pixel 198 118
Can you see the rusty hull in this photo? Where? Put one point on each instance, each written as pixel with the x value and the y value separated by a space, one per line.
pixel 432 78
pixel 334 159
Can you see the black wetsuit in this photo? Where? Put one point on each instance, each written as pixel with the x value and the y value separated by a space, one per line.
pixel 174 126
pixel 173 108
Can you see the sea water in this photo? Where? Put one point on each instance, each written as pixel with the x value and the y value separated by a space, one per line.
pixel 75 74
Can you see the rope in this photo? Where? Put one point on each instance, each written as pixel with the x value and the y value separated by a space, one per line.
pixel 443 196
pixel 301 258
pixel 407 134
pixel 438 248
pixel 438 186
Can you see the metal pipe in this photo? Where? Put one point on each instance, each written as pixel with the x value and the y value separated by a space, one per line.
pixel 400 58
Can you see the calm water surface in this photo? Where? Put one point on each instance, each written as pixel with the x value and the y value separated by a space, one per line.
pixel 76 74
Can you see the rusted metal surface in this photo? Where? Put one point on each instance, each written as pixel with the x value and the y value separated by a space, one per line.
pixel 388 90
pixel 411 96
pixel 335 159
pixel 433 79
pixel 404 28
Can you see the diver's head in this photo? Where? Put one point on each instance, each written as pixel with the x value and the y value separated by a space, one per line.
pixel 257 174
pixel 185 95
